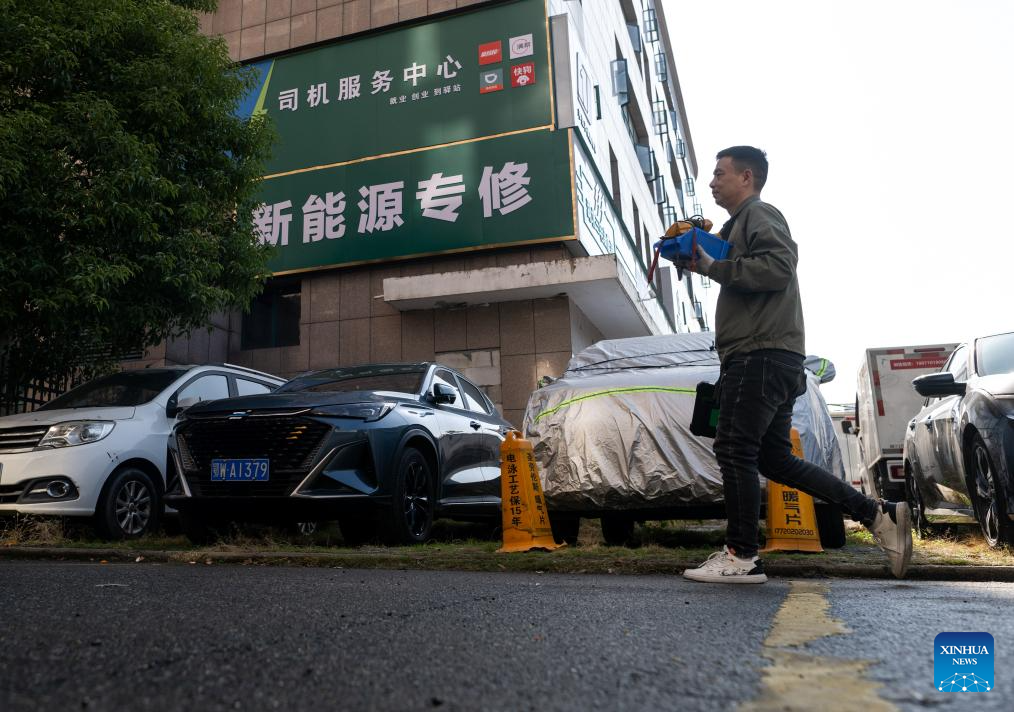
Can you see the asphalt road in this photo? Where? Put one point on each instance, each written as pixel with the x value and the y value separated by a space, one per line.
pixel 153 636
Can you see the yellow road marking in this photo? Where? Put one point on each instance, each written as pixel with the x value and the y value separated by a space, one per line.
pixel 797 681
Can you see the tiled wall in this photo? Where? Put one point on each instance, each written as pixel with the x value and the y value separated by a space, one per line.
pixel 253 28
pixel 505 348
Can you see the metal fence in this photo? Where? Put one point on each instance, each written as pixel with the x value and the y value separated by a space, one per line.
pixel 26 397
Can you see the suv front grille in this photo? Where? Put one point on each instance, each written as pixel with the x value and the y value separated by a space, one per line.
pixel 17 439
pixel 291 444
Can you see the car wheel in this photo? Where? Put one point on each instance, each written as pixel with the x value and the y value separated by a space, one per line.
pixel 990 498
pixel 565 528
pixel 830 525
pixel 410 518
pixel 917 506
pixel 130 505
pixel 617 529
pixel 197 528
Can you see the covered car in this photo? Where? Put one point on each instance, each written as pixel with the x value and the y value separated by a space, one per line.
pixel 612 435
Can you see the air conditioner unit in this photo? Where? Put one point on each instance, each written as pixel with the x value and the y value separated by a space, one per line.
pixel 620 84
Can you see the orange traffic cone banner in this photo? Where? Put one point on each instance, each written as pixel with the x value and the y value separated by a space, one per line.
pixel 792 520
pixel 525 517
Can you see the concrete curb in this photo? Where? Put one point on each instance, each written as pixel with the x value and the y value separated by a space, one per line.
pixel 541 562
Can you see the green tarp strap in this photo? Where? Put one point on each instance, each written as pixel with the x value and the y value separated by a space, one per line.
pixel 823 368
pixel 614 391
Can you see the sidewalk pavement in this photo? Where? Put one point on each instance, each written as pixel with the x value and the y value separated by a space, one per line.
pixel 864 565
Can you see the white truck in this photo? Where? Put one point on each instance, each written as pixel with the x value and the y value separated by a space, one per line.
pixel 885 402
pixel 845 429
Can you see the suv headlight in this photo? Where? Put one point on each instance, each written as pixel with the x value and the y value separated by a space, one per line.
pixel 362 411
pixel 76 432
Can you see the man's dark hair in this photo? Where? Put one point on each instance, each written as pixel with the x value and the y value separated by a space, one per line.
pixel 744 157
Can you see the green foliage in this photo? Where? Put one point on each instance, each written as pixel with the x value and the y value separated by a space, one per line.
pixel 126 182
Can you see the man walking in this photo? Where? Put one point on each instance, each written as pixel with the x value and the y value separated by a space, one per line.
pixel 759 337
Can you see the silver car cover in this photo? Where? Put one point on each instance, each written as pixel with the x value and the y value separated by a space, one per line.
pixel 613 432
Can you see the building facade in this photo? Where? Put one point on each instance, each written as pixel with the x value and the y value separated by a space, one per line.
pixel 476 183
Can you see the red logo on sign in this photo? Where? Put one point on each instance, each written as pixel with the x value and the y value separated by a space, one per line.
pixel 491 52
pixel 523 75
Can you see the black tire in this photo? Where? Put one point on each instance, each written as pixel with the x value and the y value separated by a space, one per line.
pixel 989 496
pixel 830 525
pixel 413 501
pixel 197 528
pixel 917 506
pixel 566 528
pixel 617 529
pixel 129 506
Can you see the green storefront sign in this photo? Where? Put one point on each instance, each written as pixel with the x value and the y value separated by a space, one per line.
pixel 486 192
pixel 422 140
pixel 481 73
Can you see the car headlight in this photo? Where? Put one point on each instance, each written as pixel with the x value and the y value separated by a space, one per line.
pixel 76 432
pixel 361 411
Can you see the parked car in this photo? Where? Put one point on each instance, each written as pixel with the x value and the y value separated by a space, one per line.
pixel 959 449
pixel 612 437
pixel 383 448
pixel 99 450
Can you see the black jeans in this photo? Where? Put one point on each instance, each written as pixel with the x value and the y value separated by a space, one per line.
pixel 756 393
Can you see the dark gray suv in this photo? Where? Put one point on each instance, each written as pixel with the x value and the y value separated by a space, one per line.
pixel 383 448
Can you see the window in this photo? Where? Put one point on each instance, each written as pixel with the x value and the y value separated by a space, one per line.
pixel 650 25
pixel 396 378
pixel 659 188
pixel 614 172
pixel 205 388
pixel 661 68
pixel 637 228
pixel 958 364
pixel 128 388
pixel 668 216
pixel 995 354
pixel 447 378
pixel 473 397
pixel 648 252
pixel 273 319
pixel 250 388
pixel 620 88
pixel 660 117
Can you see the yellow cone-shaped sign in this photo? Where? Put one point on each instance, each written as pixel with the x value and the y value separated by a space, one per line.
pixel 525 517
pixel 792 521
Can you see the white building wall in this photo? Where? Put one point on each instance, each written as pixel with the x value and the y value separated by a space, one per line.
pixel 593 30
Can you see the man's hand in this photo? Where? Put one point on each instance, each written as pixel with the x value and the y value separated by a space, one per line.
pixel 703 264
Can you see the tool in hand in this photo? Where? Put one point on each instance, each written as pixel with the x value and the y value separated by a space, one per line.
pixel 677 254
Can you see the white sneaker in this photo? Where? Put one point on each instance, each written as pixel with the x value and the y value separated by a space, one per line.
pixel 892 530
pixel 725 567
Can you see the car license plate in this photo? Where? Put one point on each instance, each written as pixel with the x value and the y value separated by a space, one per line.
pixel 240 470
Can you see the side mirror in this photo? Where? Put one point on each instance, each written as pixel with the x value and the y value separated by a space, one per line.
pixel 442 393
pixel 937 385
pixel 846 427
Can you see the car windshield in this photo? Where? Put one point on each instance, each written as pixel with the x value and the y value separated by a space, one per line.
pixel 128 388
pixel 996 354
pixel 399 379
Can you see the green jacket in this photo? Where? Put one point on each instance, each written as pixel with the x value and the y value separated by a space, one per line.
pixel 758 306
